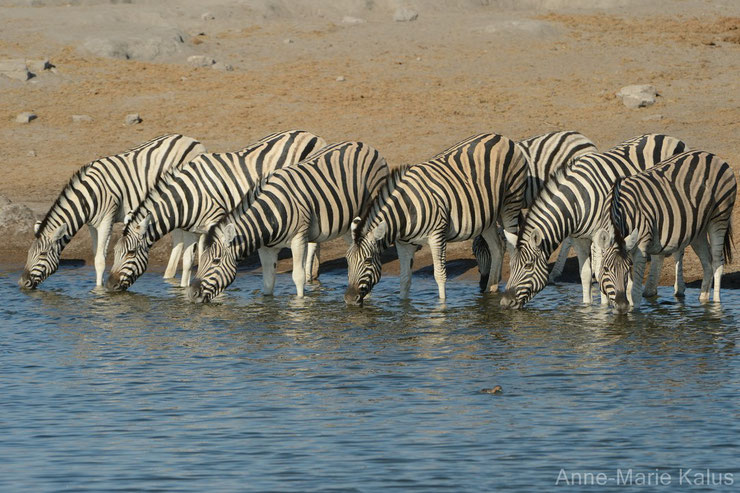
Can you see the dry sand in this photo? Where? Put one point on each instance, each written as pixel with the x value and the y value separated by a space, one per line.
pixel 410 89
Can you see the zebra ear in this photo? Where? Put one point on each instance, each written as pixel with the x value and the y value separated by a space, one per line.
pixel 228 234
pixel 380 231
pixel 603 239
pixel 510 238
pixel 144 225
pixel 127 219
pixel 355 229
pixel 535 239
pixel 59 233
pixel 36 227
pixel 630 242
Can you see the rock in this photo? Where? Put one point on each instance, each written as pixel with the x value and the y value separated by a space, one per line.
pixel 341 78
pixel 352 20
pixel 25 117
pixel 38 66
pixel 137 47
pixel 15 69
pixel 31 153
pixel 637 96
pixel 82 119
pixel 200 61
pixel 15 219
pixel 207 16
pixel 132 119
pixel 652 118
pixel 225 67
pixel 405 14
pixel 287 41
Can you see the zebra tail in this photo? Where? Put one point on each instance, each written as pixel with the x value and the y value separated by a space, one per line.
pixel 729 244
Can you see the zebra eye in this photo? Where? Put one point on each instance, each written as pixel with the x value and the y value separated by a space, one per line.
pixel 368 262
pixel 216 260
pixel 131 252
pixel 529 265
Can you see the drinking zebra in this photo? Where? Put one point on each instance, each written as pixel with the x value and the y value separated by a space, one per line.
pixel 571 204
pixel 312 201
pixel 99 194
pixel 545 154
pixel 455 196
pixel 686 200
pixel 197 195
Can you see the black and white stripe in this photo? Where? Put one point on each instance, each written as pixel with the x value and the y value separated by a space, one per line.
pixel 545 154
pixel 99 194
pixel 686 200
pixel 457 195
pixel 571 204
pixel 199 194
pixel 312 201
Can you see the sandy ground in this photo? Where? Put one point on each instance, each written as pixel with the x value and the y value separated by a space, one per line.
pixel 409 88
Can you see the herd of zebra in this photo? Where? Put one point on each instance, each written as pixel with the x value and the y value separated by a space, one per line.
pixel 647 197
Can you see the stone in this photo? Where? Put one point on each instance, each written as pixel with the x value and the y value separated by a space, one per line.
pixel 132 119
pixel 16 219
pixel 287 41
pixel 352 20
pixel 637 96
pixel 207 16
pixel 82 119
pixel 15 69
pixel 200 61
pixel 652 118
pixel 341 78
pixel 38 66
pixel 31 153
pixel 405 14
pixel 137 47
pixel 224 67
pixel 25 117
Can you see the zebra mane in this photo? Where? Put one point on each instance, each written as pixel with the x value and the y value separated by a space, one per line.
pixel 76 178
pixel 394 178
pixel 210 236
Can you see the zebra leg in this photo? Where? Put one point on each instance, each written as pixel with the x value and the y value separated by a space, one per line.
pixel 313 257
pixel 406 260
pixel 482 255
pixel 679 285
pixel 188 250
pixel 634 288
pixel 100 247
pixel 557 269
pixel 438 245
pixel 496 252
pixel 583 250
pixel 298 247
pixel 268 259
pixel 651 286
pixel 596 261
pixel 716 240
pixel 171 269
pixel 701 248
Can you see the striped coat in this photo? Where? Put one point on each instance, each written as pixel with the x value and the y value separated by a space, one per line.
pixel 312 201
pixel 455 196
pixel 686 200
pixel 99 194
pixel 571 204
pixel 197 195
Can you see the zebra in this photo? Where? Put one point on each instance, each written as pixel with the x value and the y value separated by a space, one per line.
pixel 686 200
pixel 314 200
pixel 545 154
pixel 571 204
pixel 457 195
pixel 197 195
pixel 99 194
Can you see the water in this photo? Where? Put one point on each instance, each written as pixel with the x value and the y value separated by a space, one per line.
pixel 144 391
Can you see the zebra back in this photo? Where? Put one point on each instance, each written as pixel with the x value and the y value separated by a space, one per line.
pixel 120 181
pixel 202 191
pixel 472 183
pixel 673 203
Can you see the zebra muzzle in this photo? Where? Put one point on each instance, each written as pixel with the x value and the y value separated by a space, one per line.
pixel 27 281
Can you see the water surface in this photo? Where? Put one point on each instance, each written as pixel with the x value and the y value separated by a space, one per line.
pixel 144 391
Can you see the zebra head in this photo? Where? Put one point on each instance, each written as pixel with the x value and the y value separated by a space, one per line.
pixel 529 271
pixel 217 264
pixel 363 261
pixel 43 256
pixel 130 255
pixel 615 274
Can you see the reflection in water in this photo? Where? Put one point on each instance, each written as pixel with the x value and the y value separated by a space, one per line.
pixel 303 391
